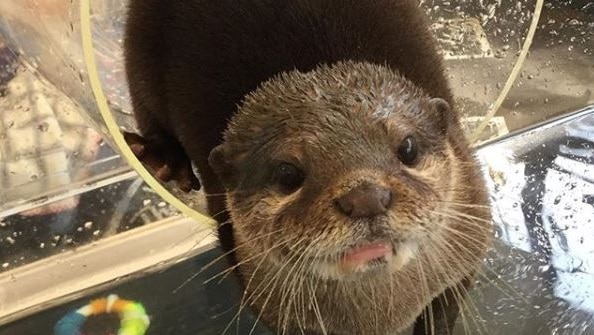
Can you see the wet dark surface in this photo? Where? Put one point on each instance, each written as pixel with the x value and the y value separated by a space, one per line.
pixel 539 278
pixel 174 305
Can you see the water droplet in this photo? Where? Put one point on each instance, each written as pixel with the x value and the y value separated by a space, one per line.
pixel 5 265
pixel 88 225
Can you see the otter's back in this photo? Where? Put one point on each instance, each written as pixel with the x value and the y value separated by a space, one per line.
pixel 203 56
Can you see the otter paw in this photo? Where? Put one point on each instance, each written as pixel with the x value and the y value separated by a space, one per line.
pixel 166 162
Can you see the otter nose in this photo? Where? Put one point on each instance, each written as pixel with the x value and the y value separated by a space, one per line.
pixel 365 201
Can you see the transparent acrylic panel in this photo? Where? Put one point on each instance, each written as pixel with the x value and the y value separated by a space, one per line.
pixel 480 41
pixel 558 75
pixel 55 151
pixel 47 149
pixel 538 279
pixel 47 34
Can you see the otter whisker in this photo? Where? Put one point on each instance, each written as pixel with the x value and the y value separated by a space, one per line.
pixel 317 312
pixel 461 303
pixel 299 263
pixel 305 279
pixel 274 280
pixel 437 252
pixel 482 224
pixel 391 304
pixel 473 240
pixel 480 273
pixel 464 205
pixel 216 260
pixel 244 300
pixel 423 294
pixel 299 252
pixel 490 281
pixel 466 236
pixel 229 270
pixel 230 193
pixel 468 305
pixel 444 273
pixel 375 314
pixel 313 303
pixel 199 241
pixel 297 292
pixel 469 217
pixel 252 276
pixel 225 273
pixel 214 195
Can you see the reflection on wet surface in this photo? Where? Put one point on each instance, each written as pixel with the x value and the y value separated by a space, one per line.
pixel 539 278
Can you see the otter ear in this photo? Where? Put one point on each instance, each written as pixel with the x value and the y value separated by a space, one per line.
pixel 443 113
pixel 220 162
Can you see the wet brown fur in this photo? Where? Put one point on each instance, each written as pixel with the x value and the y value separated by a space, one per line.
pixel 319 127
pixel 191 63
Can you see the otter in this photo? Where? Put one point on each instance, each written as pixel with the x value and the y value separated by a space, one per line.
pixel 324 133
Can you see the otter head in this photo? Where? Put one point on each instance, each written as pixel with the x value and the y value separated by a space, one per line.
pixel 347 175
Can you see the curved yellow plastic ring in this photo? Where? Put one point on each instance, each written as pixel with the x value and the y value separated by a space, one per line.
pixel 513 75
pixel 90 63
pixel 112 127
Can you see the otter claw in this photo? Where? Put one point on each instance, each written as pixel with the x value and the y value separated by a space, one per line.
pixel 164 173
pixel 165 167
pixel 139 150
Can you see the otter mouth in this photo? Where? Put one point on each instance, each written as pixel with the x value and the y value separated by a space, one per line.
pixel 366 259
pixel 360 260
pixel 367 256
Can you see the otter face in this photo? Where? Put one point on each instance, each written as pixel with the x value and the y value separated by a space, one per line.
pixel 344 173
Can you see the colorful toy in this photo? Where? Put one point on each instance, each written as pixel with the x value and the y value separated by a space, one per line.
pixel 133 317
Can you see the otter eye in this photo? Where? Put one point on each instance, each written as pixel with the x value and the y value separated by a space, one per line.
pixel 288 177
pixel 408 151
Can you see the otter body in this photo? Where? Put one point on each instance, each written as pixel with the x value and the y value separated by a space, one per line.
pixel 354 198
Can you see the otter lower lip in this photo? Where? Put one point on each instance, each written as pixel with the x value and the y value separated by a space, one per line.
pixel 362 255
